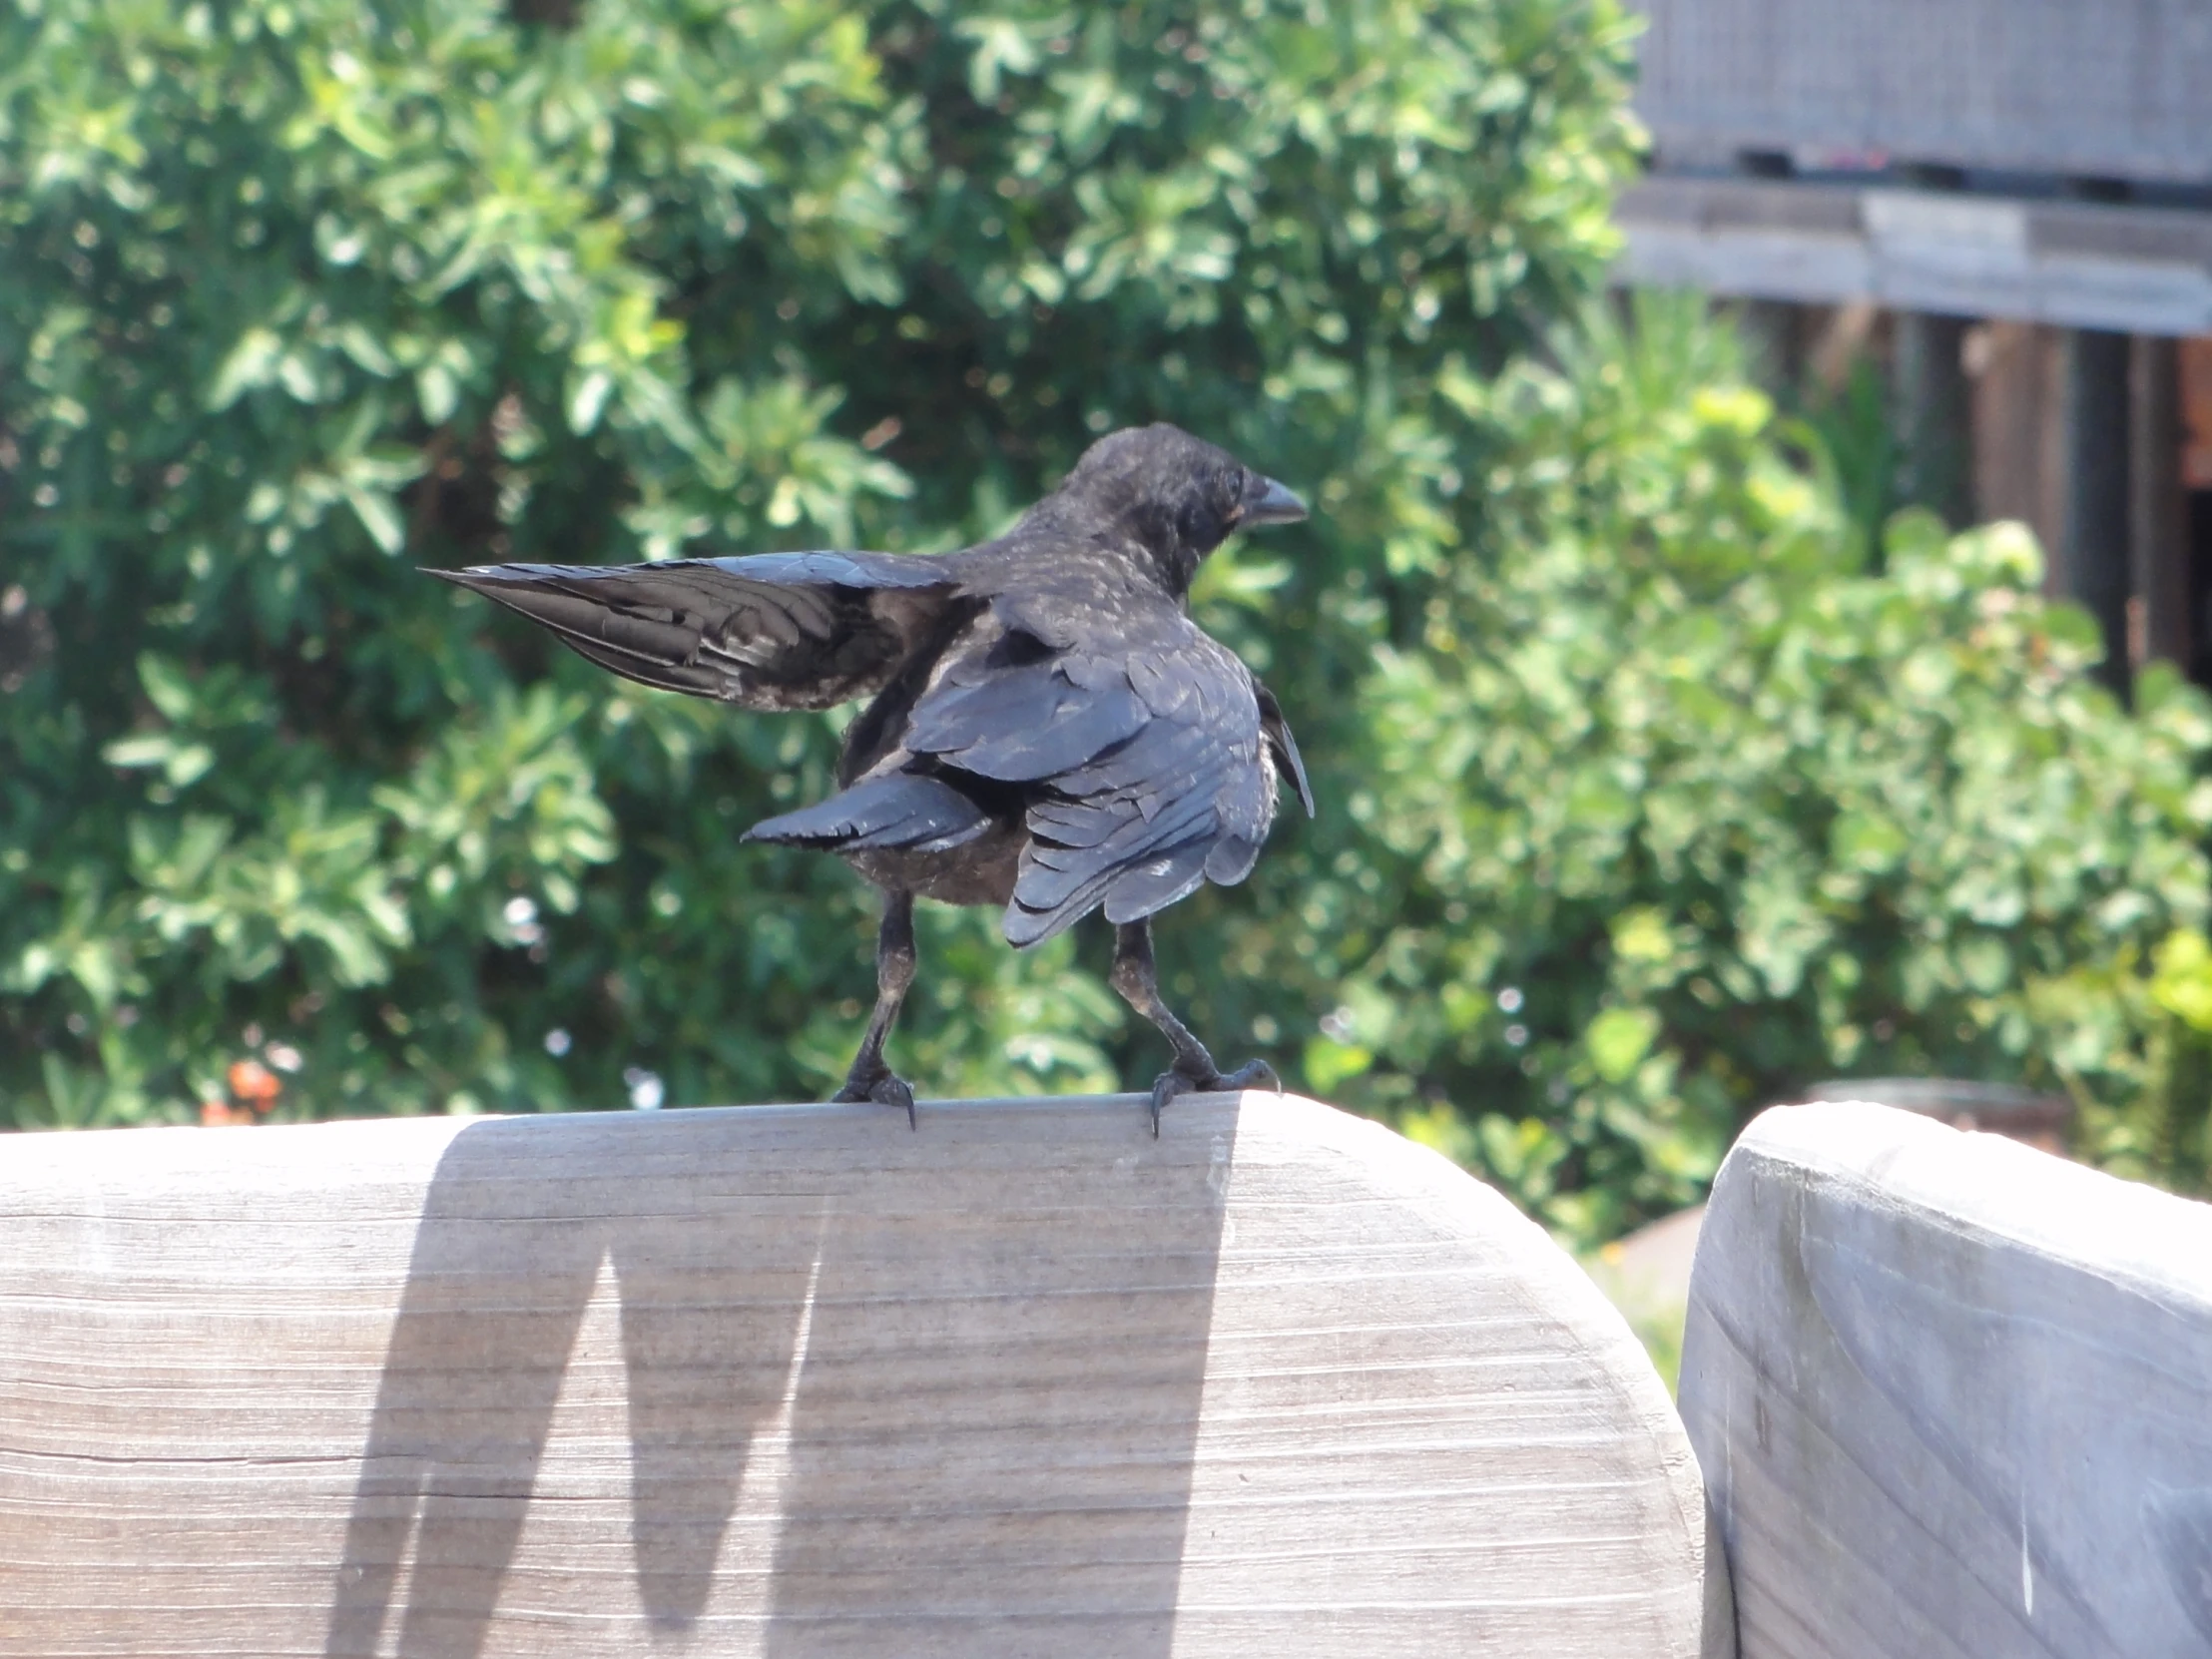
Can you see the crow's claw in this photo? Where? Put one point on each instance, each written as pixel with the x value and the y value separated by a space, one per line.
pixel 1169 1085
pixel 1253 1074
pixel 888 1089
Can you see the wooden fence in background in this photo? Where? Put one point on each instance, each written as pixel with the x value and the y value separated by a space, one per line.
pixel 796 1381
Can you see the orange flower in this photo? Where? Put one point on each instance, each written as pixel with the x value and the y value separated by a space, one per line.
pixel 254 1084
pixel 218 1113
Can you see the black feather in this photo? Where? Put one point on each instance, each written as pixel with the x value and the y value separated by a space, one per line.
pixel 1028 724
pixel 902 811
pixel 1158 882
pixel 1277 730
pixel 772 631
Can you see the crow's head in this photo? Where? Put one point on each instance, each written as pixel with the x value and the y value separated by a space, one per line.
pixel 1178 496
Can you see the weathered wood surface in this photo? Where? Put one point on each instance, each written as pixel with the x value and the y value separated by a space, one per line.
pixel 2078 264
pixel 1952 1395
pixel 2096 88
pixel 796 1381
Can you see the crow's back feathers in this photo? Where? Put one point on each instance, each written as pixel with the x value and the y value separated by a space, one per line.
pixel 1144 751
pixel 1024 725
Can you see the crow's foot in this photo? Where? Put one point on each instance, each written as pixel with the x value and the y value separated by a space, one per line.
pixel 1253 1074
pixel 885 1088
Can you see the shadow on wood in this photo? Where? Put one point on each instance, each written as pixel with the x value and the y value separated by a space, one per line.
pixel 1952 1395
pixel 798 1382
pixel 734 1253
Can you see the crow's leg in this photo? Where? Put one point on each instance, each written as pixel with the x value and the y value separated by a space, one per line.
pixel 870 1078
pixel 1194 1070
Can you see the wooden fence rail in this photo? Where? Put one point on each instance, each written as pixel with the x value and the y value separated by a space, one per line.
pixel 795 1380
pixel 798 1382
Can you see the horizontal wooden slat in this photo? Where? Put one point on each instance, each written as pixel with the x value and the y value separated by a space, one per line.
pixel 797 1381
pixel 2071 263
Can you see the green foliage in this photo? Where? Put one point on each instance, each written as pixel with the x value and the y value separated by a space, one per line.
pixel 295 294
pixel 1852 425
pixel 2134 1047
pixel 1682 809
pixel 1642 801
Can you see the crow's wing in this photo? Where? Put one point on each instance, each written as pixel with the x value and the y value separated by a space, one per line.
pixel 1142 753
pixel 767 631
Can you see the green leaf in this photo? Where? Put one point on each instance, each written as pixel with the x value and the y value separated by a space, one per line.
pixel 1618 1039
pixel 1329 1064
pixel 151 748
pixel 2182 981
pixel 1863 840
pixel 379 516
pixel 252 362
pixel 1642 935
pixel 166 686
pixel 587 400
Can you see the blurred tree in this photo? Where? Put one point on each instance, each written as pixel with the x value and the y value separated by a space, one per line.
pixel 1617 742
pixel 297 295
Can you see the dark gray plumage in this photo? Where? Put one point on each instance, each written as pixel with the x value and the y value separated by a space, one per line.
pixel 1048 730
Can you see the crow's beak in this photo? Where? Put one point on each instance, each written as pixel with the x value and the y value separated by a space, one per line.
pixel 1277 506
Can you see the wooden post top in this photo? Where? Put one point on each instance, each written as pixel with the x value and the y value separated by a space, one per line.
pixel 1952 1395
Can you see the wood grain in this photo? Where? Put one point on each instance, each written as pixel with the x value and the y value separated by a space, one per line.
pixel 2077 264
pixel 796 1381
pixel 1952 1395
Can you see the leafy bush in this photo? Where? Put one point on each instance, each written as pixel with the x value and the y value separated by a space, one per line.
pixel 1682 810
pixel 1643 803
pixel 295 294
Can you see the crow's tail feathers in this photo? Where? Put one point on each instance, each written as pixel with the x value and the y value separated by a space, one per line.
pixel 896 811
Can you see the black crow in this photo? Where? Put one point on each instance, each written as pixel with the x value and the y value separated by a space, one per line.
pixel 1048 730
